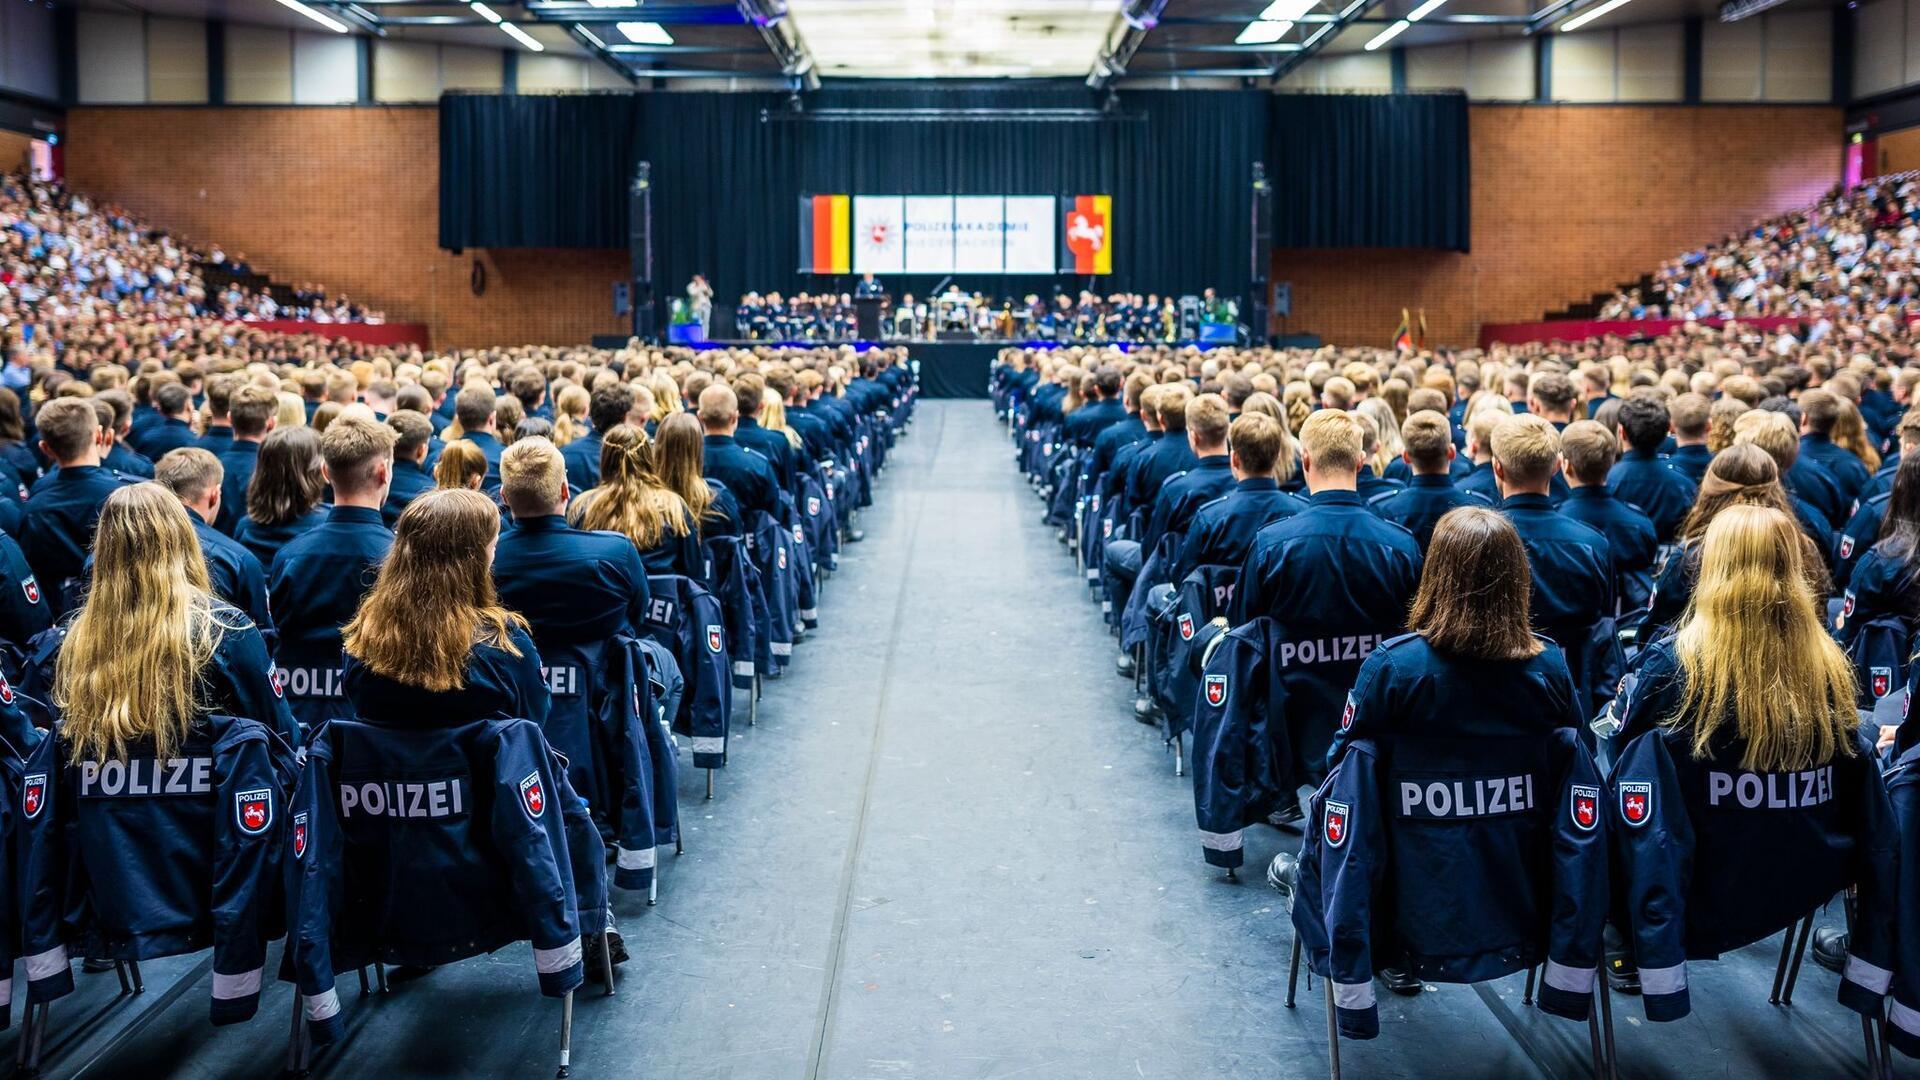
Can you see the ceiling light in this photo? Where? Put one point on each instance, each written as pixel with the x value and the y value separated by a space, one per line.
pixel 614 3
pixel 1287 10
pixel 646 33
pixel 320 17
pixel 522 37
pixel 1424 10
pixel 1399 28
pixel 1589 15
pixel 1263 33
pixel 590 36
pixel 486 12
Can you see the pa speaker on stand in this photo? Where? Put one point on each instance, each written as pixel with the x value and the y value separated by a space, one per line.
pixel 640 249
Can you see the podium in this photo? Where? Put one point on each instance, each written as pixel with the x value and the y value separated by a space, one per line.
pixel 866 317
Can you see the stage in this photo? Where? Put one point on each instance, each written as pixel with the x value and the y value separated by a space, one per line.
pixel 948 369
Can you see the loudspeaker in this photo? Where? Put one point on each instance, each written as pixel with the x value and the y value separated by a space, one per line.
pixel 640 248
pixel 1260 244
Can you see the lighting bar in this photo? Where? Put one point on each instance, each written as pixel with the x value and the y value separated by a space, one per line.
pixel 320 17
pixel 645 33
pixel 1287 10
pixel 1424 10
pixel 1590 14
pixel 614 3
pixel 1399 28
pixel 485 12
pixel 1263 32
pixel 522 37
pixel 590 36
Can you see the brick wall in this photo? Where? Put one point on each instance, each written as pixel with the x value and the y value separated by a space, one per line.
pixel 348 198
pixel 1569 201
pixel 1900 151
pixel 1566 202
pixel 14 151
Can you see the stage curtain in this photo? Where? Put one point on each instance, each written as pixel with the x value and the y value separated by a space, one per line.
pixel 534 170
pixel 1370 170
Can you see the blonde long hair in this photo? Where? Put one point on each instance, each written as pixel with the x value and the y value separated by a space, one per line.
pixel 1850 434
pixel 679 451
pixel 1753 646
pixel 434 599
pixel 570 414
pixel 130 666
pixel 773 417
pixel 631 500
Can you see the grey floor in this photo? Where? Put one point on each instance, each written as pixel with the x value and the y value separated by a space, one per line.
pixel 947 851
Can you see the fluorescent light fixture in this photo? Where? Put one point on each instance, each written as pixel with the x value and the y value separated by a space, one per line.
pixel 1589 15
pixel 1396 30
pixel 1287 10
pixel 522 37
pixel 486 12
pixel 318 16
pixel 1263 33
pixel 614 3
pixel 1424 10
pixel 646 33
pixel 590 36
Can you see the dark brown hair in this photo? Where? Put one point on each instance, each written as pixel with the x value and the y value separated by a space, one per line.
pixel 287 482
pixel 1475 589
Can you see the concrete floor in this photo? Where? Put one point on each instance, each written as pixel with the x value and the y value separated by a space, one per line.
pixel 947 851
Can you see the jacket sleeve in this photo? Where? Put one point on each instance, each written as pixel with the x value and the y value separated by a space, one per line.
pixel 312 867
pixel 1345 815
pixel 1870 946
pixel 249 831
pixel 1655 857
pixel 709 684
pixel 42 873
pixel 624 718
pixel 250 596
pixel 529 829
pixel 257 695
pixel 1223 710
pixel 1903 1012
pixel 1579 885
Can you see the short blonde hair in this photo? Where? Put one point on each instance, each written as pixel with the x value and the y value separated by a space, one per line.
pixel 1526 446
pixel 189 472
pixel 1590 451
pixel 1207 420
pixel 1331 440
pixel 533 476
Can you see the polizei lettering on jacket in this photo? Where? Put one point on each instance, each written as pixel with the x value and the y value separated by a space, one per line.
pixel 1467 797
pixel 1330 650
pixel 313 682
pixel 563 680
pixel 404 799
pixel 1770 791
pixel 146 776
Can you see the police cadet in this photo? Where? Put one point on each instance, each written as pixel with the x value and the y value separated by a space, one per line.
pixel 573 586
pixel 1209 477
pixel 1430 492
pixel 432 646
pixel 129 665
pixel 413 432
pixel 175 426
pixel 1335 579
pixel 609 406
pixel 1479 479
pixel 1884 581
pixel 679 454
pixel 64 505
pixel 236 576
pixel 1170 454
pixel 1370 484
pixel 1589 451
pixel 1644 478
pixel 473 409
pixel 218 434
pixel 1751 690
pixel 1084 424
pixel 1774 432
pixel 1819 409
pixel 1122 432
pixel 1863 528
pixel 750 392
pixel 252 410
pixel 1470 667
pixel 115 410
pixel 1690 415
pixel 1222 530
pixel 633 501
pixel 283 497
pixel 1572 563
pixel 1550 396
pixel 746 474
pixel 316 581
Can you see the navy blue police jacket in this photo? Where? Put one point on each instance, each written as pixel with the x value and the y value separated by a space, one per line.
pixel 315 584
pixel 1221 531
pixel 410 481
pixel 1336 580
pixel 1182 496
pixel 687 619
pixel 266 540
pixel 1084 424
pixel 1156 464
pixel 1698 840
pixel 1883 584
pixel 1849 473
pixel 1630 539
pixel 1861 532
pixel 1810 482
pixel 773 446
pixel 572 585
pixel 748 475
pixel 582 457
pixel 14 494
pixel 490 448
pixel 149 857
pixel 216 439
pixel 24 610
pixel 61 515
pixel 122 458
pixel 236 576
pixel 1420 505
pixel 1479 480
pixel 1653 484
pixel 1111 438
pixel 168 434
pixel 1243 764
pixel 483 819
pixel 1464 845
pixel 1903 1011
pixel 1691 460
pixel 499 684
pixel 238 459
pixel 1572 568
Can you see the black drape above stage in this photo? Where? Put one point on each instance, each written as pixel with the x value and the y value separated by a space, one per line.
pixel 728 170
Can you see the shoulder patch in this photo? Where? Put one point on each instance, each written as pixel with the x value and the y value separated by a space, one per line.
pixel 1337 824
pixel 1636 802
pixel 1585 807
pixel 253 810
pixel 31 587
pixel 533 796
pixel 33 794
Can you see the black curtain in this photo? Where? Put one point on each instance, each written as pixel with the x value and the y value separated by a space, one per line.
pixel 1370 170
pixel 728 171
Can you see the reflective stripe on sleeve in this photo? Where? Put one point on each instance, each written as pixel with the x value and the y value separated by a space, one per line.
pixel 1571 979
pixel 1905 1019
pixel 629 859
pixel 1353 995
pixel 743 667
pixel 548 961
pixel 1876 979
pixel 1220 841
pixel 228 987
pixel 322 1006
pixel 1666 980
pixel 709 744
pixel 43 964
pixel 782 648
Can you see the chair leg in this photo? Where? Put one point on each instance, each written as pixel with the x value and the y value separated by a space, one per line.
pixel 1593 1039
pixel 753 702
pixel 653 889
pixel 606 961
pixel 1780 969
pixel 1333 1031
pixel 1606 1024
pixel 1179 756
pixel 1293 970
pixel 139 984
pixel 120 970
pixel 566 1036
pixel 709 783
pixel 365 989
pixel 380 975
pixel 1526 995
pixel 34 1035
pixel 1799 952
pixel 300 1041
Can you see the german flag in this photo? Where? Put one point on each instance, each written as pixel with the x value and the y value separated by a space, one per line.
pixel 1403 337
pixel 1089 234
pixel 825 235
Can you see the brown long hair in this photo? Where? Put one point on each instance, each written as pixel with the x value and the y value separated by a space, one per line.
pixel 287 482
pixel 679 456
pixel 1475 589
pixel 462 466
pixel 1740 475
pixel 631 500
pixel 130 665
pixel 434 599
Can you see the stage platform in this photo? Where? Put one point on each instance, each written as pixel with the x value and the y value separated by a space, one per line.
pixel 948 369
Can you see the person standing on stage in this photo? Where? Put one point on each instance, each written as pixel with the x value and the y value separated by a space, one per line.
pixel 700 301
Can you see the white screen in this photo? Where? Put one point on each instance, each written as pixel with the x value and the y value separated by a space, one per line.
pixel 1030 235
pixel 945 234
pixel 979 227
pixel 879 234
pixel 929 234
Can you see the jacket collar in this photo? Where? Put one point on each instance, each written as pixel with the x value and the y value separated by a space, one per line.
pixel 1430 480
pixel 1527 501
pixel 1336 498
pixel 1258 483
pixel 355 515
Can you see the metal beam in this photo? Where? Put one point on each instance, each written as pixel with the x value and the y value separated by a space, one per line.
pixel 678 50
pixel 1276 47
pixel 1326 32
pixel 689 15
pixel 600 51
